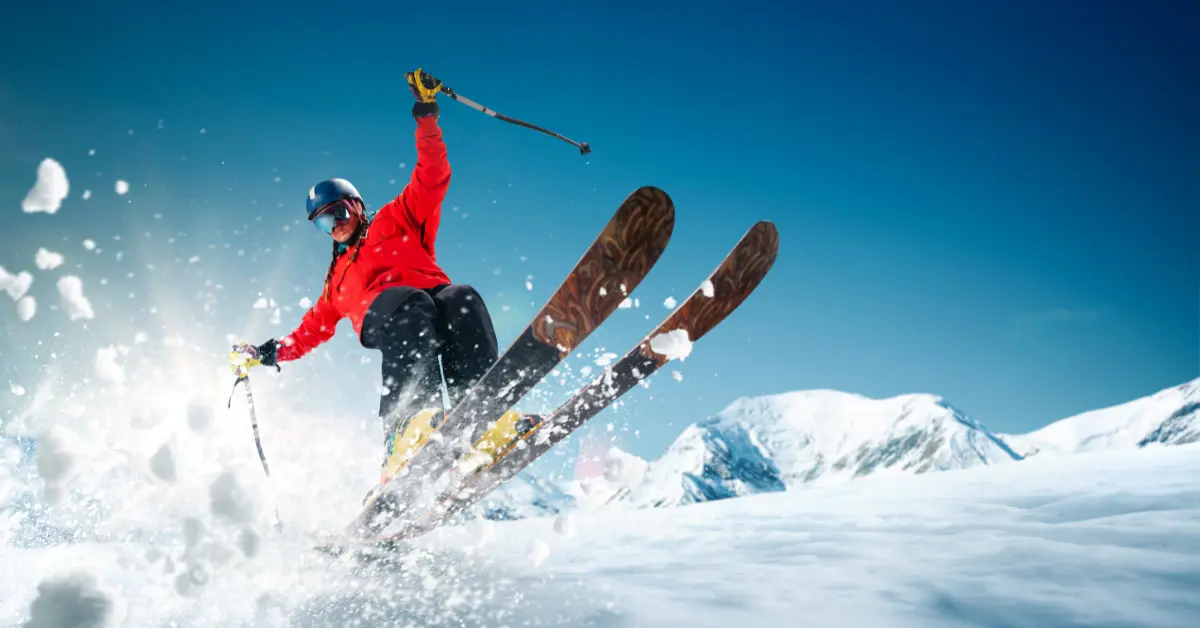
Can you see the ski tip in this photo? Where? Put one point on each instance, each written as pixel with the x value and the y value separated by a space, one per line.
pixel 769 232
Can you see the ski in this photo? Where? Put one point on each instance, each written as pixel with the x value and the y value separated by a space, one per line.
pixel 725 289
pixel 611 268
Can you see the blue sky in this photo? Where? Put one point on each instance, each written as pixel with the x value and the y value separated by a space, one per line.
pixel 994 202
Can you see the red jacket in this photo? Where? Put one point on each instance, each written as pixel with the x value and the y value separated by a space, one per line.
pixel 397 251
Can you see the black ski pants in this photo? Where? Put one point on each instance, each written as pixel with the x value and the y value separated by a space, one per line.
pixel 412 327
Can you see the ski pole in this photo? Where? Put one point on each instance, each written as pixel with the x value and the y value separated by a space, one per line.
pixel 262 457
pixel 582 146
pixel 243 377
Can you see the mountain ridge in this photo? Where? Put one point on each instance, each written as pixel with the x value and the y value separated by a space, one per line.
pixel 786 440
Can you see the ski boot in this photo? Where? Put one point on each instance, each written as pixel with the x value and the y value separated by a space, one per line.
pixel 499 438
pixel 403 445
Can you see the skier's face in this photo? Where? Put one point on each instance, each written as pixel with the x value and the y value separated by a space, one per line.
pixel 344 230
pixel 339 219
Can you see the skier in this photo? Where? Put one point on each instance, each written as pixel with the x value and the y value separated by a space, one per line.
pixel 385 278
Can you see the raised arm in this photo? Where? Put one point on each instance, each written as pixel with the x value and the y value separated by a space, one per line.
pixel 420 203
pixel 430 179
pixel 316 327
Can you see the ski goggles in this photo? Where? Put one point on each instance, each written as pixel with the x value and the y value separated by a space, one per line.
pixel 332 215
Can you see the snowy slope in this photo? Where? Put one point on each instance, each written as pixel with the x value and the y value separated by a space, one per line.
pixel 1168 417
pixel 765 444
pixel 1111 539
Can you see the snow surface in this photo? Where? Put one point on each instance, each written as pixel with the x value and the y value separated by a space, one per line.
pixel 1108 538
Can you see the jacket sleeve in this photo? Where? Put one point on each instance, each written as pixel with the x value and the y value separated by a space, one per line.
pixel 316 327
pixel 421 200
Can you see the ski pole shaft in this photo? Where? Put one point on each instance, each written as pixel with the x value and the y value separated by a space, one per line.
pixel 582 146
pixel 254 425
pixel 244 380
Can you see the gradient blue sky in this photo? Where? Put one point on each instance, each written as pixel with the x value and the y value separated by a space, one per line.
pixel 991 201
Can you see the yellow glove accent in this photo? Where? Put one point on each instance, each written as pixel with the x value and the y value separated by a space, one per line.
pixel 417 83
pixel 241 362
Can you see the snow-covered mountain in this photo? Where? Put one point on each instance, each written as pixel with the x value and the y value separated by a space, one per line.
pixel 522 497
pixel 770 443
pixel 1168 417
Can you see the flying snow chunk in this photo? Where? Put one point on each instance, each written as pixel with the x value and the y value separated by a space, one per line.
pixel 193 532
pixel 249 542
pixel 140 337
pixel 70 289
pixel 17 389
pixel 626 303
pixel 49 190
pixel 162 463
pixel 57 449
pixel 305 302
pixel 47 260
pixel 564 525
pixel 89 244
pixel 669 303
pixel 193 578
pixel 674 345
pixel 87 194
pixel 122 187
pixel 106 365
pixel 539 552
pixel 261 303
pixel 229 499
pixel 199 415
pixel 706 288
pixel 72 600
pixel 26 308
pixel 15 285
pixel 605 359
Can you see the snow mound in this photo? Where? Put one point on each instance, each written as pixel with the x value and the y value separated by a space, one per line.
pixel 1168 417
pixel 771 443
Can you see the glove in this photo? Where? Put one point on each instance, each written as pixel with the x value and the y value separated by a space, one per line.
pixel 425 89
pixel 244 356
pixel 266 353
